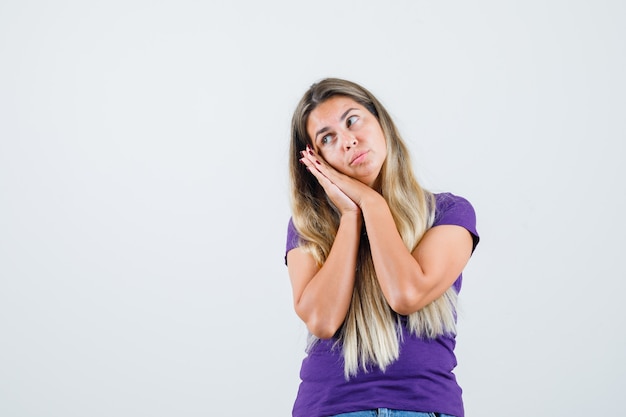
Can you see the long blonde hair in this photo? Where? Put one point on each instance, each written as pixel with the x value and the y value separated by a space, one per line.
pixel 371 331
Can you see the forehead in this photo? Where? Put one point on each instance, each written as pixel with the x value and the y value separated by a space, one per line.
pixel 330 112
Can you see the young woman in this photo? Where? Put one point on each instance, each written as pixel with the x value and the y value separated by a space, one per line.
pixel 375 263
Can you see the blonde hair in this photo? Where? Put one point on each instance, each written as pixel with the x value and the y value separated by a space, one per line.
pixel 371 330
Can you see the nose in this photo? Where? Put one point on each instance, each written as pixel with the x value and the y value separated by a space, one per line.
pixel 349 141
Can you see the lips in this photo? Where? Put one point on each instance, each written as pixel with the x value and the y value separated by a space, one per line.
pixel 358 157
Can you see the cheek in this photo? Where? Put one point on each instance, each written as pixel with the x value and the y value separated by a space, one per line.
pixel 328 154
pixel 332 160
pixel 329 158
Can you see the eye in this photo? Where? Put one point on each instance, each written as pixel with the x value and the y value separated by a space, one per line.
pixel 351 120
pixel 325 140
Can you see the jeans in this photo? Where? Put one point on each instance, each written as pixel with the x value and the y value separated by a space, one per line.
pixel 386 412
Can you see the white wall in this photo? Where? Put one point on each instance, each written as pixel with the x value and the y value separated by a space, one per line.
pixel 143 194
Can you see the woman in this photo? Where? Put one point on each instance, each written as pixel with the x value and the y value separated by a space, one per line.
pixel 375 263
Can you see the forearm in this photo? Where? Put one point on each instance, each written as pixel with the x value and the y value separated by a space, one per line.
pixel 402 279
pixel 325 301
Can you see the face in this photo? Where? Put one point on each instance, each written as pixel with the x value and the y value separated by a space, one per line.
pixel 349 138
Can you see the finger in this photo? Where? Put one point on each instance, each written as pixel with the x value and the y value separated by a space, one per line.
pixel 346 184
pixel 315 162
pixel 310 162
pixel 321 165
pixel 313 168
pixel 330 188
pixel 312 157
pixel 339 198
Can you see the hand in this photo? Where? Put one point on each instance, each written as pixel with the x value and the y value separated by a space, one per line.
pixel 356 191
pixel 322 172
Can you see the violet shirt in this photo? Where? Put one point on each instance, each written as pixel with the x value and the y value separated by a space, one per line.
pixel 422 378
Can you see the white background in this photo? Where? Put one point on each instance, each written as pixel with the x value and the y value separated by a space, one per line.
pixel 144 194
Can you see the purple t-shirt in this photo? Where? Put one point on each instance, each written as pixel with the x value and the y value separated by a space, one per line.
pixel 422 378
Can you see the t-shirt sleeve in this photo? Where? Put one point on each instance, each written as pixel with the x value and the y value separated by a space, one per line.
pixel 293 238
pixel 455 210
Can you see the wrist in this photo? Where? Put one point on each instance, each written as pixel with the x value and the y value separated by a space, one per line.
pixel 351 217
pixel 371 200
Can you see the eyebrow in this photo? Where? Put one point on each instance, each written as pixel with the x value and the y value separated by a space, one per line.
pixel 341 119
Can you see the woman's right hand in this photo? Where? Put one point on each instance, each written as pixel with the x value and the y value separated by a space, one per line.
pixel 322 294
pixel 341 201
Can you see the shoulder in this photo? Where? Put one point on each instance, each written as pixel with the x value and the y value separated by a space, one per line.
pixel 449 205
pixel 293 238
pixel 452 209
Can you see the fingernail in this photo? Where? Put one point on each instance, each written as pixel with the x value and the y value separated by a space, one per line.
pixel 310 152
pixel 318 162
pixel 301 161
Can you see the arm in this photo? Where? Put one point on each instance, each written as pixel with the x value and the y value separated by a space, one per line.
pixel 410 281
pixel 322 295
